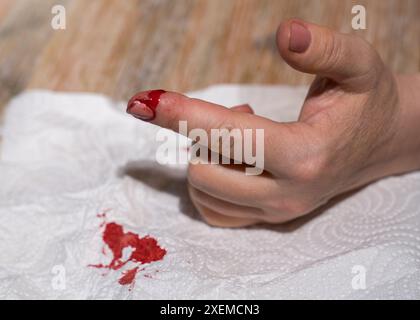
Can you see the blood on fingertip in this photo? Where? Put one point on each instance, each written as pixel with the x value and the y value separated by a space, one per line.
pixel 151 101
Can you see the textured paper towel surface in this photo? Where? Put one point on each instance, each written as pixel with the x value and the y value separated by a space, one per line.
pixel 67 157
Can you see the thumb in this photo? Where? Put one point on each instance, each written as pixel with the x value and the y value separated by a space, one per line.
pixel 346 59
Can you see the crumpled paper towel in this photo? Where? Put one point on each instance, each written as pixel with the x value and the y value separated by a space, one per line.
pixel 67 157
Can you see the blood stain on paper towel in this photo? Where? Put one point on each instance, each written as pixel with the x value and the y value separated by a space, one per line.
pixel 128 276
pixel 144 250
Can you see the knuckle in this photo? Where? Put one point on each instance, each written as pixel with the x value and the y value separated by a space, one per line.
pixel 368 50
pixel 229 136
pixel 332 52
pixel 371 64
pixel 226 123
pixel 310 169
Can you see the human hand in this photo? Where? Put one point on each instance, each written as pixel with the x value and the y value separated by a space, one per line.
pixel 358 124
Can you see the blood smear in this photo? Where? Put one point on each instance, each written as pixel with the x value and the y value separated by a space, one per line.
pixel 128 277
pixel 144 250
pixel 153 98
pixel 151 101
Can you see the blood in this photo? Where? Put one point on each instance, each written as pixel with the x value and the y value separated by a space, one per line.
pixel 144 250
pixel 128 277
pixel 152 101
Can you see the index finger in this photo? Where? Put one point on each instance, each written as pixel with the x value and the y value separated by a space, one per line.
pixel 167 109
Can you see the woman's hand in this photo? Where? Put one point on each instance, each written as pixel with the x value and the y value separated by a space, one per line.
pixel 358 124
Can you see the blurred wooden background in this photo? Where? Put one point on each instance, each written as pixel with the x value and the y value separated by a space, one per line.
pixel 119 47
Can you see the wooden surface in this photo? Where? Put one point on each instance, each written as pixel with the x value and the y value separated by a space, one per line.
pixel 118 47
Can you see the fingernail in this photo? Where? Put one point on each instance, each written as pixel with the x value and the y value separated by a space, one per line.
pixel 143 105
pixel 300 37
pixel 140 111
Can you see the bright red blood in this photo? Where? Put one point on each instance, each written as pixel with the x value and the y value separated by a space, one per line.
pixel 153 98
pixel 152 101
pixel 144 250
pixel 128 277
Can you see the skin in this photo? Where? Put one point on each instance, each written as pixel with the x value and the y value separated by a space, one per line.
pixel 359 123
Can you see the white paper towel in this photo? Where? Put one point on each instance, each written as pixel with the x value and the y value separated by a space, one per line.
pixel 67 157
